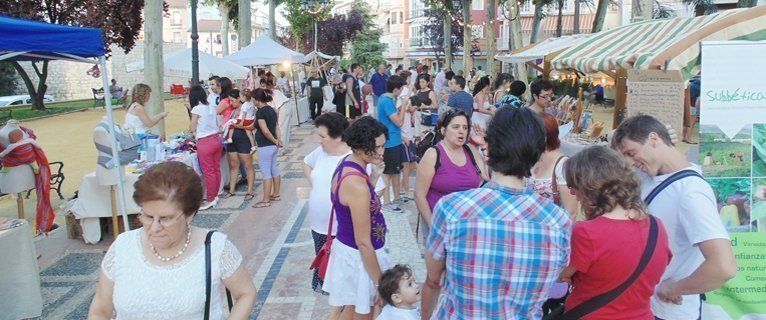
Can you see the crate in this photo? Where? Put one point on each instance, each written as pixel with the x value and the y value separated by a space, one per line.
pixel 74 230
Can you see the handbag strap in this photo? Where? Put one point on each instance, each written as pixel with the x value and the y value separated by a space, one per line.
pixel 555 184
pixel 673 178
pixel 603 299
pixel 209 280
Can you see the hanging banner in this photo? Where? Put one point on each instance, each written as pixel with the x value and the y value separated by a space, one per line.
pixel 733 153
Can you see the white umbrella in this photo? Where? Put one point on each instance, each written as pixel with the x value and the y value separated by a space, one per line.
pixel 180 62
pixel 265 51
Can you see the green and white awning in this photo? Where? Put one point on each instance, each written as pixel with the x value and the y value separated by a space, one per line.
pixel 668 44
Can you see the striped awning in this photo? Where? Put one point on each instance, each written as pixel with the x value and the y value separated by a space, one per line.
pixel 541 49
pixel 670 44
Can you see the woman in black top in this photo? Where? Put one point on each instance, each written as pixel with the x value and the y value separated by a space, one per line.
pixel 268 140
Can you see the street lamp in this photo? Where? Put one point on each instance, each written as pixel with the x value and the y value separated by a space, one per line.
pixel 195 39
pixel 313 7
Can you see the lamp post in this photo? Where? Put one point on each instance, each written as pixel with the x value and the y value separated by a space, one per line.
pixel 194 47
pixel 313 7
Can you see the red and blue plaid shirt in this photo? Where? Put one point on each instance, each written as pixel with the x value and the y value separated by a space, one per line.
pixel 504 249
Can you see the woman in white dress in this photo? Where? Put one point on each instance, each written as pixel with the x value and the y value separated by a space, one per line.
pixel 158 271
pixel 482 110
pixel 136 117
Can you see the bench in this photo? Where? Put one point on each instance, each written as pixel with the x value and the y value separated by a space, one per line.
pixel 57 178
pixel 98 98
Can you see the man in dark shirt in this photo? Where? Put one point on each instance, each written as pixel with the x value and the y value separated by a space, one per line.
pixel 460 99
pixel 316 94
pixel 378 82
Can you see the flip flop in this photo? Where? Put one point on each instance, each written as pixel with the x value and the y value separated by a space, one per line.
pixel 275 198
pixel 225 195
pixel 262 205
pixel 689 142
pixel 249 196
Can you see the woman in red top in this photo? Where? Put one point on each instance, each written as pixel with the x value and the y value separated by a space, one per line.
pixel 607 247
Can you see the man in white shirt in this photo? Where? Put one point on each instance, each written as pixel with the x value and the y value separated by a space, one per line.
pixel 702 255
pixel 213 92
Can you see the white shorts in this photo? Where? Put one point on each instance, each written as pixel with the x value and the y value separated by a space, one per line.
pixel 347 280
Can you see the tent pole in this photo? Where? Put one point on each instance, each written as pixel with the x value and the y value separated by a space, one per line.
pixel 115 146
pixel 295 97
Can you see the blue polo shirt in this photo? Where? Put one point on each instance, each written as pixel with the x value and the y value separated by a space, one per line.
pixel 463 101
pixel 378 82
pixel 386 108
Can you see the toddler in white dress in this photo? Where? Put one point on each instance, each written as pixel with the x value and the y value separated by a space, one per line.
pixel 400 292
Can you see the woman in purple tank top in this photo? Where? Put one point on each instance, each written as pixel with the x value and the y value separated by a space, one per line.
pixel 357 258
pixel 456 170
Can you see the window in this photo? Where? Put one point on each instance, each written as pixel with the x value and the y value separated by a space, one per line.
pixel 177 37
pixel 527 6
pixel 477 5
pixel 176 18
pixel 393 17
pixel 401 16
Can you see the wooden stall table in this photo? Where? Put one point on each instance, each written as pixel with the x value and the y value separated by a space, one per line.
pixel 20 295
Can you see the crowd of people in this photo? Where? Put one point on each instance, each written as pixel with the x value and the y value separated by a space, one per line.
pixel 511 227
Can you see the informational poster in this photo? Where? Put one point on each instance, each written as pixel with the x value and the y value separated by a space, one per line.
pixel 733 156
pixel 657 93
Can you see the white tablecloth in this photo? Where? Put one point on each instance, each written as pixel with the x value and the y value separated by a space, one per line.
pixel 20 295
pixel 94 201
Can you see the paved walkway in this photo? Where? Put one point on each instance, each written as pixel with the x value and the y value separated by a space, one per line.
pixel 275 242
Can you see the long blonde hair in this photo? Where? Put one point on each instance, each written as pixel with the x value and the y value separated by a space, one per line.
pixel 140 94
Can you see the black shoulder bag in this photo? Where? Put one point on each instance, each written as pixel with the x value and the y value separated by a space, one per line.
pixel 209 280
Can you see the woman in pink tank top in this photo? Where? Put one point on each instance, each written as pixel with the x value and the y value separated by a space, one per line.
pixel 451 165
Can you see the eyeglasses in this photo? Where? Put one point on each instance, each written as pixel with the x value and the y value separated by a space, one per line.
pixel 546 96
pixel 165 222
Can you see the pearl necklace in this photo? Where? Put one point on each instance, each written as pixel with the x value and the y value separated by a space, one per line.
pixel 180 252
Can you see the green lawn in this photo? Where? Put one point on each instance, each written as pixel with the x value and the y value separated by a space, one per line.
pixel 26 112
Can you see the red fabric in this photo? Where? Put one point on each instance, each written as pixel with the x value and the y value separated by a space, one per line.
pixel 209 151
pixel 226 113
pixel 24 155
pixel 605 252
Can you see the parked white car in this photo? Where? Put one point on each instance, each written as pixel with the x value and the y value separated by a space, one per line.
pixel 10 101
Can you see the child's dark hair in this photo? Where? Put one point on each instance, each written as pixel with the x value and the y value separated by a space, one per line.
pixel 262 95
pixel 389 281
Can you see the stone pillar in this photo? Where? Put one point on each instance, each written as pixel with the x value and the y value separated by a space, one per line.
pixel 153 67
pixel 245 28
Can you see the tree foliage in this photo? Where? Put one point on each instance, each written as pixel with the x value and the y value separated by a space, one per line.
pixel 120 20
pixel 366 48
pixel 7 78
pixel 434 30
pixel 334 30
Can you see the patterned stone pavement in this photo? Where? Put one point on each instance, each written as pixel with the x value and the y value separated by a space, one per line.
pixel 275 242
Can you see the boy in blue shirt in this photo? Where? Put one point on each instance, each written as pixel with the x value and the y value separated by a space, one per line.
pixel 393 119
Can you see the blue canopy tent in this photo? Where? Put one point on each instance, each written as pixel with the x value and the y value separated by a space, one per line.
pixel 26 40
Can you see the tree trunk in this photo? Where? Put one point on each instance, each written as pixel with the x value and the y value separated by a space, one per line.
pixel 224 9
pixel 746 3
pixel 515 37
pixel 153 66
pixel 448 42
pixel 491 45
pixel 576 26
pixel 641 10
pixel 245 29
pixel 560 21
pixel 272 20
pixel 467 58
pixel 37 95
pixel 537 22
pixel 598 22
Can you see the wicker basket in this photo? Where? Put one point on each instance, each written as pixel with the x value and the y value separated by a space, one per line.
pixel 73 228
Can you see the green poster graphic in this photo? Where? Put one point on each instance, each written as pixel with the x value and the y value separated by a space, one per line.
pixel 743 297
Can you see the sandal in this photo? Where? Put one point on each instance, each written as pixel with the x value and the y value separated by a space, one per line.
pixel 249 196
pixel 225 195
pixel 262 204
pixel 275 198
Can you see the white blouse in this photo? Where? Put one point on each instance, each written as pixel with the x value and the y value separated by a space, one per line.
pixel 143 290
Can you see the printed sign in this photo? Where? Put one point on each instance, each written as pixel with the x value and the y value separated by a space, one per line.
pixel 657 93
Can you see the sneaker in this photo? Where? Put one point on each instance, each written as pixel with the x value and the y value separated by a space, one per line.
pixel 402 200
pixel 207 205
pixel 392 207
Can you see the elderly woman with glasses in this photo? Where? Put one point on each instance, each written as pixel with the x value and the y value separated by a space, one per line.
pixel 159 270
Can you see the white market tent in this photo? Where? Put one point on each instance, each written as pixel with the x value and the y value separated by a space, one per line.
pixel 540 50
pixel 265 51
pixel 26 40
pixel 178 62
pixel 317 54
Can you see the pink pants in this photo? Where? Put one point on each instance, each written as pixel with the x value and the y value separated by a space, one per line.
pixel 209 151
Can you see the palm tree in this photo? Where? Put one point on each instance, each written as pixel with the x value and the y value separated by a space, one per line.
pixel 598 22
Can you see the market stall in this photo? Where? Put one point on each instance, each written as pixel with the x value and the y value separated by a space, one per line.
pixel 178 63
pixel 264 51
pixel 662 44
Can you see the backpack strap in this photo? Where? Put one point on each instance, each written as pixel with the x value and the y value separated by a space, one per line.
pixel 438 159
pixel 473 160
pixel 673 178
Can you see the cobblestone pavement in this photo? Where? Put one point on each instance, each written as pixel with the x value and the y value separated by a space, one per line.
pixel 275 242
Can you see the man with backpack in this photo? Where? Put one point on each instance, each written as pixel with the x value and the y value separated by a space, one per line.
pixel 677 194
